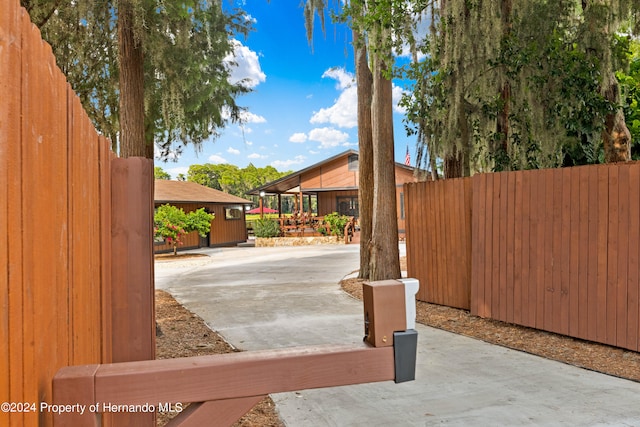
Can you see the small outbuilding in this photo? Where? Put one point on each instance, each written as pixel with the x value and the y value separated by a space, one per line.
pixel 228 227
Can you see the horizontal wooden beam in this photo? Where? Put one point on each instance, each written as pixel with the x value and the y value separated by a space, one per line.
pixel 230 376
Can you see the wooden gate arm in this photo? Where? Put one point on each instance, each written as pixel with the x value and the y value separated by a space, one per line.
pixel 388 353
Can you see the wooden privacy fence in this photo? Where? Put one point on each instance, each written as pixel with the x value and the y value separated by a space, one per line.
pixel 438 224
pixel 76 281
pixel 556 250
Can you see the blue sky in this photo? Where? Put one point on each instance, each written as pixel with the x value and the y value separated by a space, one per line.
pixel 303 106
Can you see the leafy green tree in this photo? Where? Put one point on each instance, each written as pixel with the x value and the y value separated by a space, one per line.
pixel 172 224
pixel 206 175
pixel 630 88
pixel 232 179
pixel 336 223
pixel 266 227
pixel 160 173
pixel 162 61
pixel 531 86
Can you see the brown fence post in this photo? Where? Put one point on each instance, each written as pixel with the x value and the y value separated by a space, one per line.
pixel 132 295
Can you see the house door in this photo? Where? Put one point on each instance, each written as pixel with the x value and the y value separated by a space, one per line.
pixel 348 206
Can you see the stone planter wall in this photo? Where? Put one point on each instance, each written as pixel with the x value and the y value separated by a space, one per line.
pixel 298 241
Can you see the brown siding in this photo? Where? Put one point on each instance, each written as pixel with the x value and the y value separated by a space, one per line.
pixel 223 231
pixel 55 223
pixel 335 174
pixel 438 224
pixel 327 201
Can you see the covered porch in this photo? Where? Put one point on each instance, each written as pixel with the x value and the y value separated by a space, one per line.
pixel 301 213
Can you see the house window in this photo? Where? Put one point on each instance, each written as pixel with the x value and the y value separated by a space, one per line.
pixel 233 212
pixel 401 205
pixel 353 162
pixel 348 206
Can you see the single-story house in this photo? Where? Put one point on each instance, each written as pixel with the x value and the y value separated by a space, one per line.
pixel 228 227
pixel 334 184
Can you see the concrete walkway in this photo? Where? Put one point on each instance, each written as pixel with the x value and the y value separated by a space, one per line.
pixel 260 298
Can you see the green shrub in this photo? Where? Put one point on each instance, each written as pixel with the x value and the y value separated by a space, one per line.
pixel 172 224
pixel 336 223
pixel 266 227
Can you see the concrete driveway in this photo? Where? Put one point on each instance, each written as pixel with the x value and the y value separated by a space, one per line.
pixel 261 298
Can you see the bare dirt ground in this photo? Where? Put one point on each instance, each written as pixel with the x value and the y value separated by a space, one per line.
pixel 185 334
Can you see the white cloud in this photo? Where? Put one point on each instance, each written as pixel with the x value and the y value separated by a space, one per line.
pixel 344 112
pixel 328 137
pixel 174 172
pixel 249 117
pixel 298 138
pixel 286 164
pixel 256 156
pixel 215 158
pixel 244 65
pixel 344 78
pixel 232 150
pixel 396 95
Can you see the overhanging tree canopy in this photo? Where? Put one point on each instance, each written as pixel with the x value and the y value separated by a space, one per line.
pixel 187 93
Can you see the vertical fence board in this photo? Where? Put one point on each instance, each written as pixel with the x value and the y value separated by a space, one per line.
pixel 495 243
pixel 565 255
pixel 574 254
pixel 517 212
pixel 489 247
pixel 105 257
pixel 10 131
pixel 621 290
pixel 431 249
pixel 438 244
pixel 456 252
pixel 633 278
pixel 428 253
pixel 30 174
pixel 466 239
pixel 593 308
pixel 420 215
pixel 501 220
pixel 534 264
pixel 556 252
pixel 526 233
pixel 477 251
pixel 583 253
pixel 613 237
pixel 509 245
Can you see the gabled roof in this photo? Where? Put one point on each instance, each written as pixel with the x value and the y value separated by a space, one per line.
pixel 291 181
pixel 189 192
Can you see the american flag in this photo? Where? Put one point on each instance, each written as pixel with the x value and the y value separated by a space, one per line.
pixel 407 158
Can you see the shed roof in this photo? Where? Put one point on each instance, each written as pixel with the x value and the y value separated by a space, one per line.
pixel 189 192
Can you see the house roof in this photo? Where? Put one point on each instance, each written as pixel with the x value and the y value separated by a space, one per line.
pixel 189 192
pixel 291 181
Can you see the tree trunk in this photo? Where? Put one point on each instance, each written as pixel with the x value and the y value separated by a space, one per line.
pixel 132 142
pixel 365 147
pixel 501 155
pixel 385 258
pixel 616 137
